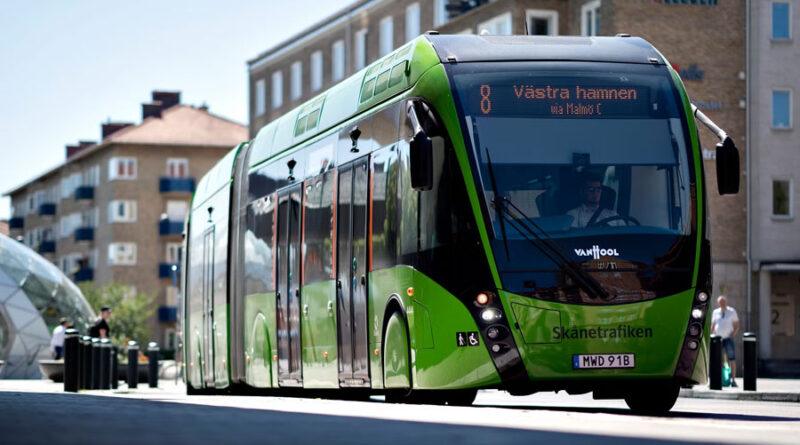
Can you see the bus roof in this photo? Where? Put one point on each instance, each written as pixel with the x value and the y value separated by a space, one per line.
pixel 473 48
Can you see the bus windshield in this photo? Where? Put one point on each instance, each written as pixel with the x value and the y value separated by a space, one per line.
pixel 593 158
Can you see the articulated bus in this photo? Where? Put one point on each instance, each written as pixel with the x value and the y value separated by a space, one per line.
pixel 519 213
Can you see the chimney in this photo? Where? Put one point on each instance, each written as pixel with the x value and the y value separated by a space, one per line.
pixel 72 150
pixel 152 109
pixel 167 98
pixel 110 128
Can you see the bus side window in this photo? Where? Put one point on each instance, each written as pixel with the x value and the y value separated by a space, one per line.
pixel 409 206
pixel 385 178
pixel 318 228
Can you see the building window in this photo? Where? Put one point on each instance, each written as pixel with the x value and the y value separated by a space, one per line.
pixel 177 210
pixel 386 36
pixel 277 89
pixel 412 21
pixel 497 26
pixel 780 21
pixel 542 22
pixel 177 168
pixel 316 70
pixel 122 254
pixel 440 14
pixel 360 49
pixel 297 80
pixel 590 18
pixel 781 198
pixel 121 211
pixel 122 168
pixel 68 224
pixel 261 97
pixel 173 253
pixel 337 60
pixel 781 109
pixel 90 177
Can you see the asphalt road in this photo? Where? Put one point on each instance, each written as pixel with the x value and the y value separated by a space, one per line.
pixel 146 416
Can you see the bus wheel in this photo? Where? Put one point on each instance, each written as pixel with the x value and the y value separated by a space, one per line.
pixel 396 376
pixel 462 397
pixel 653 399
pixel 192 391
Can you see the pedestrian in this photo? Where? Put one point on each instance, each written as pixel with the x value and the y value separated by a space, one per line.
pixel 725 323
pixel 100 327
pixel 57 342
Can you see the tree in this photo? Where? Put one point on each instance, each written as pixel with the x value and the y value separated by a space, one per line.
pixel 130 311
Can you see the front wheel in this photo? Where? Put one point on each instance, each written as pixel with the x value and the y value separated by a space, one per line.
pixel 656 399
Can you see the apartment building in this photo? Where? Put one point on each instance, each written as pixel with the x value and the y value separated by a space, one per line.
pixel 114 210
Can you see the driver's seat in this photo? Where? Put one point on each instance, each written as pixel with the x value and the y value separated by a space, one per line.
pixel 608 199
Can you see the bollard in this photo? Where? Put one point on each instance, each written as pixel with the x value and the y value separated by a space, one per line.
pixel 152 358
pixel 715 363
pixel 95 363
pixel 105 364
pixel 133 364
pixel 71 360
pixel 750 361
pixel 86 362
pixel 114 366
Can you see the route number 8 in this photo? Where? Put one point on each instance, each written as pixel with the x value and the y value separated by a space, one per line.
pixel 486 103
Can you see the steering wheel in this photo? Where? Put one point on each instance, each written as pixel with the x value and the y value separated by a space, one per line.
pixel 606 221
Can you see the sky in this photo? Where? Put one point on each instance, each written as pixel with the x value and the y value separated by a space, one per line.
pixel 68 66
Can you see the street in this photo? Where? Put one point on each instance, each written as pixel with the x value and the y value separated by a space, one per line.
pixel 34 414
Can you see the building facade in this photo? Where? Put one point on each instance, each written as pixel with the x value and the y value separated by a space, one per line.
pixel 114 210
pixel 774 241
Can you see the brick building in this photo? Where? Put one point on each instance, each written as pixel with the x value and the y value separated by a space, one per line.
pixel 114 210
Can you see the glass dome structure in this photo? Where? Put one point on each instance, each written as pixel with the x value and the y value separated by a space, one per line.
pixel 34 296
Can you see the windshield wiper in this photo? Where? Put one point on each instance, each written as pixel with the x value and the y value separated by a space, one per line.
pixel 497 205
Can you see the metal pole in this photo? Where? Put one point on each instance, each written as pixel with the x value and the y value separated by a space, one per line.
pixel 105 364
pixel 114 366
pixel 715 363
pixel 152 358
pixel 95 363
pixel 750 361
pixel 133 364
pixel 86 362
pixel 71 360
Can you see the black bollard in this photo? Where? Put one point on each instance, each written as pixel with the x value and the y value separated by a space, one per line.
pixel 715 363
pixel 105 364
pixel 95 363
pixel 152 358
pixel 133 364
pixel 114 366
pixel 71 360
pixel 750 361
pixel 86 362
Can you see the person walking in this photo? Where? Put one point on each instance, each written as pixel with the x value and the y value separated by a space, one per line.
pixel 57 341
pixel 725 323
pixel 100 328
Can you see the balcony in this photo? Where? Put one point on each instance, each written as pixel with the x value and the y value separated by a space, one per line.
pixel 47 247
pixel 16 222
pixel 165 270
pixel 176 185
pixel 84 234
pixel 167 227
pixel 47 209
pixel 167 314
pixel 84 274
pixel 84 192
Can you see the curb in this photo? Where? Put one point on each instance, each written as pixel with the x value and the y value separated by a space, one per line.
pixel 740 395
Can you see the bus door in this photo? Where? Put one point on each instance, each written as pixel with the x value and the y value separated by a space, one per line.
pixel 351 270
pixel 207 361
pixel 287 295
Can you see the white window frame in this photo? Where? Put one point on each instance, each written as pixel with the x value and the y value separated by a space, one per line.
pixel 791 198
pixel 316 70
pixel 175 163
pixel 413 25
pixel 261 97
pixel 172 205
pixel 277 89
pixel 89 177
pixel 772 108
pixel 772 23
pixel 296 90
pixel 440 16
pixel 129 163
pixel 172 253
pixel 493 23
pixel 386 36
pixel 548 14
pixel 360 49
pixel 129 211
pixel 122 254
pixel 588 28
pixel 337 60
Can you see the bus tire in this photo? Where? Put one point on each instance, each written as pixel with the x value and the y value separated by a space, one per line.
pixel 653 399
pixel 461 397
pixel 396 362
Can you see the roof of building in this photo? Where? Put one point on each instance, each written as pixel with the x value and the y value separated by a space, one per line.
pixel 178 125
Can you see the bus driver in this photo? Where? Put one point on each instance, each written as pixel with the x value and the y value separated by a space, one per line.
pixel 590 211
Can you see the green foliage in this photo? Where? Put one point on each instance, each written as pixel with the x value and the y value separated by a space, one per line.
pixel 130 311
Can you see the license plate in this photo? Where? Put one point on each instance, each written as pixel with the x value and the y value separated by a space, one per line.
pixel 602 361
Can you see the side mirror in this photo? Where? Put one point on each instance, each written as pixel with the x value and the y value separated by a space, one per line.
pixel 421 161
pixel 727 167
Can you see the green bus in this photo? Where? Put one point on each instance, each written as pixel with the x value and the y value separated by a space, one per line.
pixel 521 213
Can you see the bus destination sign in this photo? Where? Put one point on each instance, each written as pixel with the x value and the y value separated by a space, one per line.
pixel 573 100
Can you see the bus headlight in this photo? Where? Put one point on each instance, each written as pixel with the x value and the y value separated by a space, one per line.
pixel 695 329
pixel 697 314
pixel 490 314
pixel 702 297
pixel 692 344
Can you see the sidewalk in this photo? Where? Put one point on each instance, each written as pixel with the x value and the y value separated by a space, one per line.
pixel 771 390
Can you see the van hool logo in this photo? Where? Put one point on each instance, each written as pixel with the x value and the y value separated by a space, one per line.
pixel 596 252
